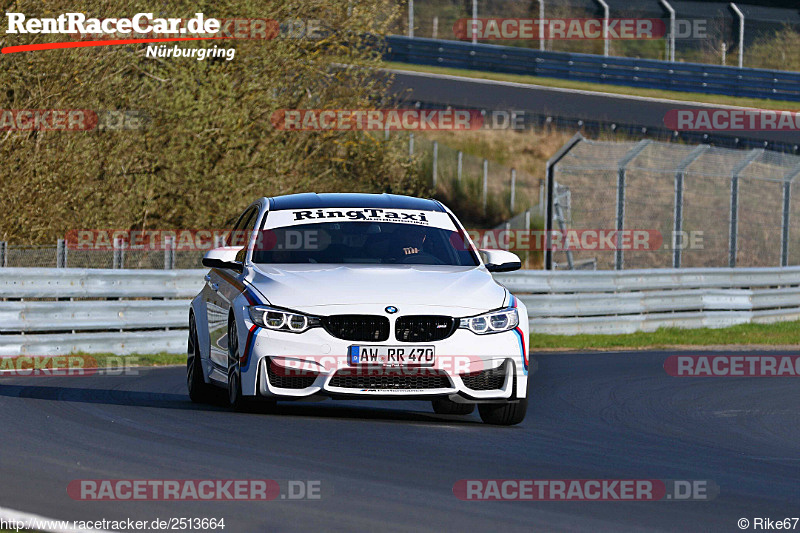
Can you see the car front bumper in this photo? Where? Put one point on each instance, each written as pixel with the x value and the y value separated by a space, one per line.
pixel 467 367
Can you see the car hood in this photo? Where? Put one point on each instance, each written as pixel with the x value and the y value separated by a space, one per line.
pixel 304 286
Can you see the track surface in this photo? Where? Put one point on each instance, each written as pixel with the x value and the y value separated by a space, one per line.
pixel 474 93
pixel 391 466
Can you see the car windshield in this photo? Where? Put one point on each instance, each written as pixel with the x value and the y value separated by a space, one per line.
pixel 363 242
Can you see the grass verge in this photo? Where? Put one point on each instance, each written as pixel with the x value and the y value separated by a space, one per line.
pixel 783 334
pixel 758 103
pixel 152 359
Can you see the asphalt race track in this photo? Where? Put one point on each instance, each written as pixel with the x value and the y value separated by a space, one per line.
pixel 391 466
pixel 472 93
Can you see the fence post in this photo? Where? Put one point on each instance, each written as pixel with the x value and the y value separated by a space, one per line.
pixel 411 19
pixel 485 183
pixel 118 260
pixel 169 252
pixel 460 164
pixel 3 254
pixel 474 22
pixel 734 213
pixel 619 257
pixel 61 254
pixel 740 15
pixel 787 205
pixel 513 188
pixel 678 216
pixel 435 160
pixel 548 206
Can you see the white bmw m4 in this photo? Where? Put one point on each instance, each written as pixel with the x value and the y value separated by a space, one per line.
pixel 372 296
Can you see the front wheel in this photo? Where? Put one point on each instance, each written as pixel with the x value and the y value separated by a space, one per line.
pixel 199 390
pixel 503 414
pixel 235 398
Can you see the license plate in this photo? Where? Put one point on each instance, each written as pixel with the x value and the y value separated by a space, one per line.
pixel 391 355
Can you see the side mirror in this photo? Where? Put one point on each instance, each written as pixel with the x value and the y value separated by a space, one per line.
pixel 500 260
pixel 224 258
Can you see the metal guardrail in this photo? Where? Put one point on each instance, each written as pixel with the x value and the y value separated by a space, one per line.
pixel 611 302
pixel 99 283
pixel 151 313
pixel 52 311
pixel 647 73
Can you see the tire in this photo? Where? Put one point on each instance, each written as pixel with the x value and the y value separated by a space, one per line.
pixel 199 390
pixel 445 406
pixel 505 413
pixel 235 398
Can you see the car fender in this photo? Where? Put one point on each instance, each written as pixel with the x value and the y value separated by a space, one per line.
pixel 247 333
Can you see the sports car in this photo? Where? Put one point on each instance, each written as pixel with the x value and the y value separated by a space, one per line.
pixel 345 296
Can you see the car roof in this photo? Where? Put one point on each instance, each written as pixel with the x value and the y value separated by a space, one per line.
pixel 362 200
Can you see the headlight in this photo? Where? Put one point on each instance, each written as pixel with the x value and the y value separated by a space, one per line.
pixel 281 319
pixel 492 322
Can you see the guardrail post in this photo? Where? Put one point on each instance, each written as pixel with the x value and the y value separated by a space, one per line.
pixel 118 259
pixel 460 164
pixel 61 254
pixel 734 213
pixel 619 256
pixel 169 252
pixel 485 184
pixel 513 188
pixel 787 203
pixel 410 145
pixel 435 160
pixel 3 254
pixel 678 217
pixel 550 190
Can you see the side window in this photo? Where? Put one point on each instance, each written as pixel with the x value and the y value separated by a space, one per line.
pixel 243 228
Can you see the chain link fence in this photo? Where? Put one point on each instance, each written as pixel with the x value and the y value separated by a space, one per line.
pixel 60 256
pixel 707 32
pixel 498 189
pixel 708 206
